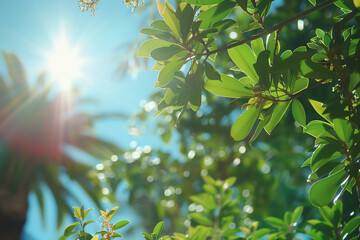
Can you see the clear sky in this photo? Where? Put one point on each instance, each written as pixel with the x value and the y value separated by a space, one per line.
pixel 30 29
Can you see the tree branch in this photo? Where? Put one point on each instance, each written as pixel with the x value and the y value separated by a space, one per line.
pixel 273 29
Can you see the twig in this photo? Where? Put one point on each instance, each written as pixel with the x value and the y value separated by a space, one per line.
pixel 277 27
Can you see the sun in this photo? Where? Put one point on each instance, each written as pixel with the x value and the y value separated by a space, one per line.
pixel 64 63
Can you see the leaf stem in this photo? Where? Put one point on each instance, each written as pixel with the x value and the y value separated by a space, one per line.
pixel 277 27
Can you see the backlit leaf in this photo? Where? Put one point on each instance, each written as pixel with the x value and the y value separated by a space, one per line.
pixel 243 125
pixel 324 190
pixel 229 87
pixel 245 59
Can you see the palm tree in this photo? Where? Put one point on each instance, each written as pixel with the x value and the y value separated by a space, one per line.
pixel 35 129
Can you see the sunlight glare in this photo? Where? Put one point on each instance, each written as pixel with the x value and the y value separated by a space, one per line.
pixel 64 63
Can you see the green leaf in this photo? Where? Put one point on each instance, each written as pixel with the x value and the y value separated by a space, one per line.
pixel 257 46
pixel 313 2
pixel 164 53
pixel 271 44
pixel 299 112
pixel 275 222
pixel 297 214
pixel 318 128
pixel 77 212
pixel 147 236
pixel 186 20
pixel 324 190
pixel 211 72
pixel 343 129
pixel 161 34
pixel 88 222
pixel 350 226
pixel 171 19
pixel 158 228
pixel 204 2
pixel 261 233
pixel 115 235
pixel 300 84
pixel 229 87
pixel 168 72
pixel 310 69
pixel 318 57
pixel 121 224
pixel 69 229
pixel 200 219
pixel 112 212
pixel 195 84
pixel 278 113
pixel 245 59
pixel 243 125
pixel 325 153
pixel 86 212
pixel 320 33
pixel 215 14
pixel 262 67
pixel 319 108
pixel 288 218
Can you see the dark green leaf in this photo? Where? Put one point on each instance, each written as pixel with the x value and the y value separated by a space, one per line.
pixel 164 53
pixel 211 72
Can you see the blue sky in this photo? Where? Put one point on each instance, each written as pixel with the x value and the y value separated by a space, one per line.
pixel 30 28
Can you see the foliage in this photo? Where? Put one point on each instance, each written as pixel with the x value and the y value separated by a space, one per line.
pixel 273 81
pixel 107 232
pixel 317 82
pixel 217 215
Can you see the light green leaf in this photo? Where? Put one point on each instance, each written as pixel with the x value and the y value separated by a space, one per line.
pixel 171 19
pixel 149 45
pixel 168 72
pixel 324 190
pixel 300 84
pixel 278 113
pixel 204 2
pixel 121 224
pixel 77 212
pixel 245 59
pixel 88 222
pixel 299 112
pixel 229 87
pixel 313 2
pixel 243 125
pixel 112 212
pixel 215 14
pixel 158 228
pixel 319 108
pixel 317 128
pixel 257 46
pixel 297 214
